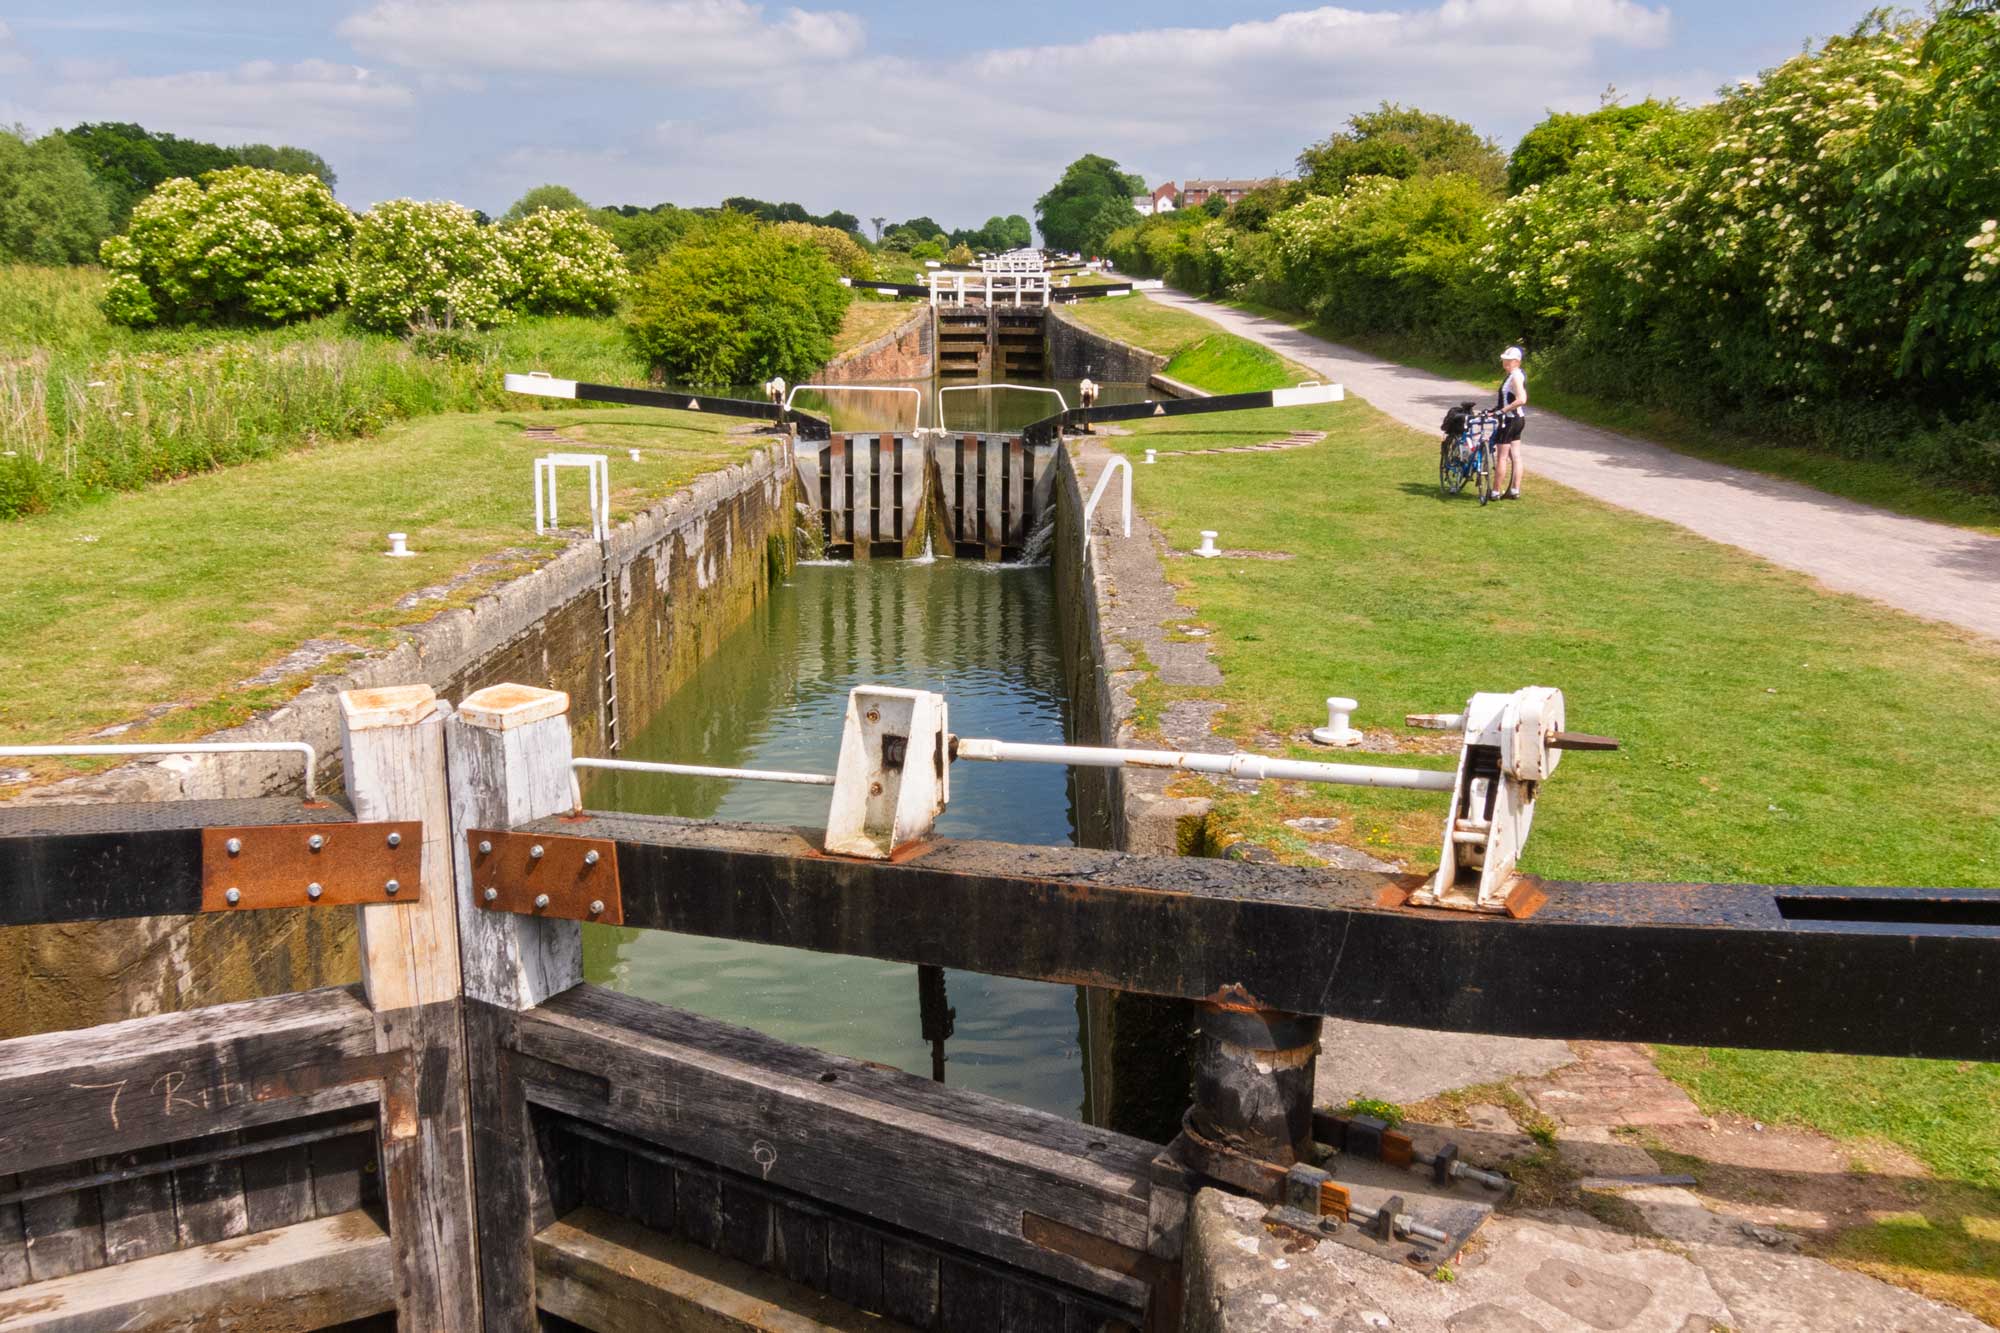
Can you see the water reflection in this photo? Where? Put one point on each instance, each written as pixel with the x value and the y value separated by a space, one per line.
pixel 773 696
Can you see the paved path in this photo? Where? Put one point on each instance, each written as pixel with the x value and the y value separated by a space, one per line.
pixel 1930 569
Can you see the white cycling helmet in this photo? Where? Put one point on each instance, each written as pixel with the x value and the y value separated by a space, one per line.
pixel 1511 354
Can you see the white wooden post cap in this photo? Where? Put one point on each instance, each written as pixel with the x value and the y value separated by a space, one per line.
pixel 388 706
pixel 502 707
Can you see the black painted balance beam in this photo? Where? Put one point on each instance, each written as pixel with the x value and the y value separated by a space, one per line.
pixel 1906 972
pixel 1049 429
pixel 61 863
pixel 808 426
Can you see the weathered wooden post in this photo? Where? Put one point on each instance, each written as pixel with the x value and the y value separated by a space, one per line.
pixel 392 745
pixel 509 748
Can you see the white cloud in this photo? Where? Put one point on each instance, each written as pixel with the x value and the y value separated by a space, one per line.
pixel 308 103
pixel 13 60
pixel 698 41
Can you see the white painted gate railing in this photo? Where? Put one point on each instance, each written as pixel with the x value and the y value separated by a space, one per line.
pixel 598 471
pixel 1097 493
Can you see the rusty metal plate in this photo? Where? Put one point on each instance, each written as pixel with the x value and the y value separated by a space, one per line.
pixel 310 865
pixel 546 874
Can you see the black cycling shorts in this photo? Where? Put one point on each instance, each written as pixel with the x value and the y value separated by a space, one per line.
pixel 1510 430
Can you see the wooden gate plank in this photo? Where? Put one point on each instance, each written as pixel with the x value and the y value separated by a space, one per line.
pixel 138 1214
pixel 938 1162
pixel 311 1275
pixel 65 1234
pixel 65 1096
pixel 613 1276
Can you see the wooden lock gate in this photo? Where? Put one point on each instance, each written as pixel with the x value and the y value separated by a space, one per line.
pixel 475 1138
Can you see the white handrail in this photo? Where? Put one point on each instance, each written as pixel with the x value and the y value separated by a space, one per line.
pixel 690 771
pixel 1097 493
pixel 864 388
pixel 973 388
pixel 1252 766
pixel 186 747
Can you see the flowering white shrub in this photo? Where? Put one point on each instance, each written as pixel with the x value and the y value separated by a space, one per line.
pixel 429 265
pixel 563 264
pixel 242 243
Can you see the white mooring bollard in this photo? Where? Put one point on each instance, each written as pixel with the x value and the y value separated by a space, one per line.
pixel 1207 550
pixel 1152 456
pixel 634 453
pixel 1337 731
pixel 399 545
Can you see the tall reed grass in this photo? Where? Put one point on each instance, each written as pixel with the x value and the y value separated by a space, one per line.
pixel 86 407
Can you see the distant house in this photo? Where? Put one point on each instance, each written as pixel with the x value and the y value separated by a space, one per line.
pixel 1196 193
pixel 1161 200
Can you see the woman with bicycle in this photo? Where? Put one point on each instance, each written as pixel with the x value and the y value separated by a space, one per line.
pixel 1511 403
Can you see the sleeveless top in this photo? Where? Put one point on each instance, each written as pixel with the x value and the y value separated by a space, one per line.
pixel 1504 399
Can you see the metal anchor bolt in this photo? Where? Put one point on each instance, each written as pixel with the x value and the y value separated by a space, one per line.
pixel 491 894
pixel 395 840
pixel 312 890
pixel 590 858
pixel 484 847
pixel 315 842
pixel 233 897
pixel 233 846
pixel 541 901
pixel 596 906
pixel 391 887
pixel 535 852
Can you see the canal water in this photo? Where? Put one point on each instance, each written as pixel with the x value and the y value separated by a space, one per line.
pixel 773 696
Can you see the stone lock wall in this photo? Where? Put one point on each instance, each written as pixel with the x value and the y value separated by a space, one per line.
pixel 906 352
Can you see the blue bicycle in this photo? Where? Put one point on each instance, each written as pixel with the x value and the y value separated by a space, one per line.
pixel 1466 454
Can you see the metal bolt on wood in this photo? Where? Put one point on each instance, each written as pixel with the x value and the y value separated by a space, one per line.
pixel 391 887
pixel 590 858
pixel 485 847
pixel 235 846
pixel 315 842
pixel 596 906
pixel 233 897
pixel 541 900
pixel 492 894
pixel 395 840
pixel 312 890
pixel 535 852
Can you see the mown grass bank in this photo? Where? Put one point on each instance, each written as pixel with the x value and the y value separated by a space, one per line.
pixel 1197 352
pixel 1730 682
pixel 177 597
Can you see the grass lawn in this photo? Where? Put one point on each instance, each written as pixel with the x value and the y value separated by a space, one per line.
pixel 1731 683
pixel 867 321
pixel 181 592
pixel 1868 482
pixel 1197 352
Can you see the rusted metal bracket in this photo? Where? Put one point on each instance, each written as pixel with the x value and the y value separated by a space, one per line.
pixel 546 874
pixel 310 865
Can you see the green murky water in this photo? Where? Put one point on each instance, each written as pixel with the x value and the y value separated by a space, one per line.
pixel 773 696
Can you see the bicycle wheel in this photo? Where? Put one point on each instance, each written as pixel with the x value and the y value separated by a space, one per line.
pixel 1452 469
pixel 1485 474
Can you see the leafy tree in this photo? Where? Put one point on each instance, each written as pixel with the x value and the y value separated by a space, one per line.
pixel 285 158
pixel 931 249
pixel 841 221
pixel 961 256
pixel 51 210
pixel 1400 142
pixel 1092 200
pixel 735 303
pixel 429 265
pixel 130 161
pixel 563 264
pixel 558 198
pixel 1547 150
pixel 840 248
pixel 242 243
pixel 645 234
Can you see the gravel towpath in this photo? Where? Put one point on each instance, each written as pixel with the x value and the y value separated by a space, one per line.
pixel 1929 569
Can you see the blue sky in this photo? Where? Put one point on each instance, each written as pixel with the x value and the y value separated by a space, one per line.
pixel 892 107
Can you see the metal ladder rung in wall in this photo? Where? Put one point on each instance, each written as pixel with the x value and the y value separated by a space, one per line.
pixel 610 649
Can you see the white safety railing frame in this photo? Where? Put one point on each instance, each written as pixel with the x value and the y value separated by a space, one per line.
pixel 301 748
pixel 598 470
pixel 1251 766
pixel 1097 493
pixel 690 771
pixel 971 388
pixel 864 388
